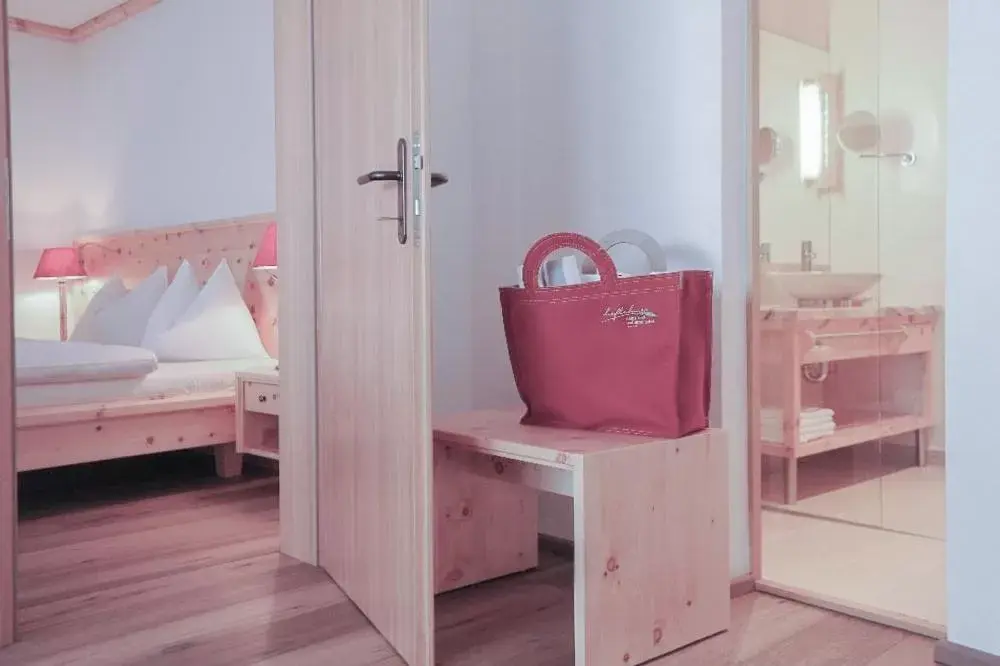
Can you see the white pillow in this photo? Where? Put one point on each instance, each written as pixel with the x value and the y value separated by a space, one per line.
pixel 123 321
pixel 85 329
pixel 175 301
pixel 217 326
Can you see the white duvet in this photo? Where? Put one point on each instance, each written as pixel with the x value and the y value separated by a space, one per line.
pixel 54 362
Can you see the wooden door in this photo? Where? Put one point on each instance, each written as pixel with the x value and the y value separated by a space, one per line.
pixel 8 477
pixel 373 435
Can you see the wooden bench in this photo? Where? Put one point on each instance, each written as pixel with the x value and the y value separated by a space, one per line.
pixel 651 529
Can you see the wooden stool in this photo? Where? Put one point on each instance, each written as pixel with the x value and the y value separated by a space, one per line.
pixel 651 529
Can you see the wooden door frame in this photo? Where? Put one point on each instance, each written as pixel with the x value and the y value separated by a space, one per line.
pixel 297 287
pixel 754 457
pixel 8 476
pixel 298 242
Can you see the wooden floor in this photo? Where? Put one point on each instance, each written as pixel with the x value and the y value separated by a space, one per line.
pixel 191 576
pixel 897 577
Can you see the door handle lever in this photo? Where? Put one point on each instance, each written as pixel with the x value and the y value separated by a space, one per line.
pixel 400 177
pixel 437 179
pixel 380 177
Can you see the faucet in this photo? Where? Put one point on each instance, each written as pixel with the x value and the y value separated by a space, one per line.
pixel 765 253
pixel 807 256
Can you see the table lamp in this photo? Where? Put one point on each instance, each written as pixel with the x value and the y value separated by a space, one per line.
pixel 61 264
pixel 267 252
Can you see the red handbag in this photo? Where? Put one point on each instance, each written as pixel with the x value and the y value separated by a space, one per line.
pixel 629 355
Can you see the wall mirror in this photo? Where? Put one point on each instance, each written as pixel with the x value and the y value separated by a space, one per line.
pixel 859 132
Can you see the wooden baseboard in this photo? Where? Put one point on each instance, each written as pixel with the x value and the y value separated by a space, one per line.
pixel 742 586
pixel 886 618
pixel 950 654
pixel 564 548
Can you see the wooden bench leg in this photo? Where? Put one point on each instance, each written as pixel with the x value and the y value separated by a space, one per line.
pixel 791 480
pixel 922 444
pixel 228 463
pixel 651 550
pixel 484 528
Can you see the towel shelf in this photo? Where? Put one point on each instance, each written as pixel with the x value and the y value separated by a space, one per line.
pixel 862 350
pixel 866 341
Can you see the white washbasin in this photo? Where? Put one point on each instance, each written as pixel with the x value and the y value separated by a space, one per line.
pixel 822 285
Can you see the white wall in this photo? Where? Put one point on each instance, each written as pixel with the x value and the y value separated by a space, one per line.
pixel 45 93
pixel 972 373
pixel 588 116
pixel 45 116
pixel 179 109
pixel 165 119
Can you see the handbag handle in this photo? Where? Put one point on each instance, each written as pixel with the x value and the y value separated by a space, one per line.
pixel 546 246
pixel 650 247
pixel 640 239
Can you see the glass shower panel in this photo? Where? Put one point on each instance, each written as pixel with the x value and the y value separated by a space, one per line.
pixel 850 325
pixel 820 270
pixel 911 217
pixel 794 111
pixel 849 473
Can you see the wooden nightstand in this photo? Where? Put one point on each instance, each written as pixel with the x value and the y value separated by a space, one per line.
pixel 258 404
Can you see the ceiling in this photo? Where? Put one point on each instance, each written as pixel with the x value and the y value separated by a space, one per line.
pixel 61 13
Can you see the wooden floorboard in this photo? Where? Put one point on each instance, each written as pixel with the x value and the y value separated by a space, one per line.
pixel 190 575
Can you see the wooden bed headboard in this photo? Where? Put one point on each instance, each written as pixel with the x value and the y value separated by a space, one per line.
pixel 135 253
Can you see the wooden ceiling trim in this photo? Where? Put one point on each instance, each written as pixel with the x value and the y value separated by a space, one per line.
pixel 101 22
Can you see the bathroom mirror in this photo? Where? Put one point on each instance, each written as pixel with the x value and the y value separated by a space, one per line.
pixel 794 209
pixel 859 131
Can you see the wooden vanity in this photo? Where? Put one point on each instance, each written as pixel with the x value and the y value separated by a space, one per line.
pixel 856 351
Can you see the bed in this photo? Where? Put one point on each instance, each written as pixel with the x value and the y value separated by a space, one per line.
pixel 143 410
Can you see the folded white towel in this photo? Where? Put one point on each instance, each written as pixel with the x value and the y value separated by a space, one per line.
pixel 803 425
pixel 807 414
pixel 807 426
pixel 777 435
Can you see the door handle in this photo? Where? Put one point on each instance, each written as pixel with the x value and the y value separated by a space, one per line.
pixel 402 191
pixel 437 179
pixel 380 177
pixel 400 176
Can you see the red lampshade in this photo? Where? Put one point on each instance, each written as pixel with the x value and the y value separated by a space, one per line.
pixel 267 253
pixel 60 263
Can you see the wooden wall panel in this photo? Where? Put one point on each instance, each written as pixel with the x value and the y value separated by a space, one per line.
pixel 8 478
pixel 296 256
pixel 805 21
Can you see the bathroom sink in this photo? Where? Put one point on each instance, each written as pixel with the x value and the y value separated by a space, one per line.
pixel 822 285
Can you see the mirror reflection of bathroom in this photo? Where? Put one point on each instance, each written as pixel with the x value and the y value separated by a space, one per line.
pixel 851 152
